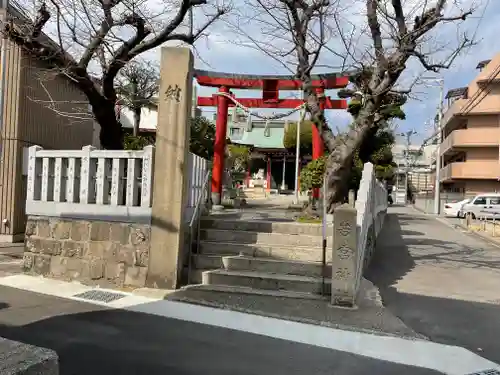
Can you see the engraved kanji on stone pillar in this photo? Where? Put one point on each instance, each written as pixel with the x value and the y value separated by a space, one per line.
pixel 344 256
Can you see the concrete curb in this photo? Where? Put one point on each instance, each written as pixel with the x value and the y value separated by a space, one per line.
pixel 192 301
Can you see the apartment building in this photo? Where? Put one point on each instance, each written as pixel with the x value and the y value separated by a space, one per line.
pixel 469 152
pixel 417 162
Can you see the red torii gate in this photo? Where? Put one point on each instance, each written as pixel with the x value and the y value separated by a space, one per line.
pixel 270 86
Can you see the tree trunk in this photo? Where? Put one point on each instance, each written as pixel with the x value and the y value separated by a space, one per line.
pixel 339 163
pixel 111 134
pixel 137 120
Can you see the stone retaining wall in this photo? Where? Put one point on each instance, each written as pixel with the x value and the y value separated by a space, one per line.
pixel 107 254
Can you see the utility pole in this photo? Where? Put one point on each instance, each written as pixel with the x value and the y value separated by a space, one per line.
pixel 437 182
pixel 4 11
pixel 407 135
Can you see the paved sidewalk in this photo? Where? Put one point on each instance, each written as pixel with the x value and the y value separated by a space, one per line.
pixel 11 258
pixel 441 282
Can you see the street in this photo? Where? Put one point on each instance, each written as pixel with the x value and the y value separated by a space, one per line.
pixel 94 340
pixel 440 281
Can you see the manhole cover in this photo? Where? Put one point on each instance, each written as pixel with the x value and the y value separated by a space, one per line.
pixel 100 295
pixel 487 372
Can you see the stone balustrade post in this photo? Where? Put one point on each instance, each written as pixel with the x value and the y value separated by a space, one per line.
pixel 344 256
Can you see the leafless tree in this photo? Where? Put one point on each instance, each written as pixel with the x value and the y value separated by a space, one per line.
pixel 374 41
pixel 92 40
pixel 137 87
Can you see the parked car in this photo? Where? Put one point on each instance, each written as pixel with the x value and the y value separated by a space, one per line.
pixel 483 205
pixel 454 209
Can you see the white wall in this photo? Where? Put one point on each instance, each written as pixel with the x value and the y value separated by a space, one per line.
pixel 149 118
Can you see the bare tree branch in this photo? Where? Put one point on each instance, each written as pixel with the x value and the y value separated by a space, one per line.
pixel 105 34
pixel 391 36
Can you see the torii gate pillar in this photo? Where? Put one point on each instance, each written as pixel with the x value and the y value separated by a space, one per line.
pixel 219 146
pixel 317 141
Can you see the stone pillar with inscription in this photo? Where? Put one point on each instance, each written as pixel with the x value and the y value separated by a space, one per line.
pixel 344 256
pixel 170 175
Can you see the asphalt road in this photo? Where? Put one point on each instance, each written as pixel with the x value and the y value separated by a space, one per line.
pixel 440 281
pixel 93 340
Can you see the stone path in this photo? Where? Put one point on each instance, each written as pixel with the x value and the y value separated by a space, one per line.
pixel 441 282
pixel 274 208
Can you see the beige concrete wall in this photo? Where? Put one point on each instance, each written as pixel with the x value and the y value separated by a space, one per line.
pixel 471 170
pixel 473 187
pixel 484 121
pixel 40 108
pixel 474 137
pixel 482 154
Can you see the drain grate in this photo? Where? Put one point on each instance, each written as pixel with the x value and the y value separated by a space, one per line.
pixel 100 295
pixel 487 372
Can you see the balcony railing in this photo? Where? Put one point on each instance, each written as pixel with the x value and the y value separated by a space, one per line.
pixel 454 109
pixel 481 170
pixel 476 137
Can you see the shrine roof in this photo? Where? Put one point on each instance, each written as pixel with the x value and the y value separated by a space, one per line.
pixel 257 138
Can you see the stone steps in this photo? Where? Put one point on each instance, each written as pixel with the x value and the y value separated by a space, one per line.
pixel 279 252
pixel 250 237
pixel 260 257
pixel 262 226
pixel 265 281
pixel 196 275
pixel 274 266
pixel 254 193
pixel 207 261
pixel 259 292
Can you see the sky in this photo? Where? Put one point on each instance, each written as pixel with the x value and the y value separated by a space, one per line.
pixel 217 53
pixel 229 46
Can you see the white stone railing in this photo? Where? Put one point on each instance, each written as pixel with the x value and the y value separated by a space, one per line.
pixel 355 231
pixel 371 206
pixel 197 168
pixel 113 185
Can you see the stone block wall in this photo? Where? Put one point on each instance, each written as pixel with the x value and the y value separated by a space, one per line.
pixel 108 254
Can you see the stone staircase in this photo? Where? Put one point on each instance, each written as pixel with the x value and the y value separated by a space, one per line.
pixel 258 192
pixel 262 257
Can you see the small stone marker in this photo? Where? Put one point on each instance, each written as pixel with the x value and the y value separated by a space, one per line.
pixel 344 254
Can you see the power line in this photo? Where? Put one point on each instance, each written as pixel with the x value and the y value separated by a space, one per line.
pixel 486 89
